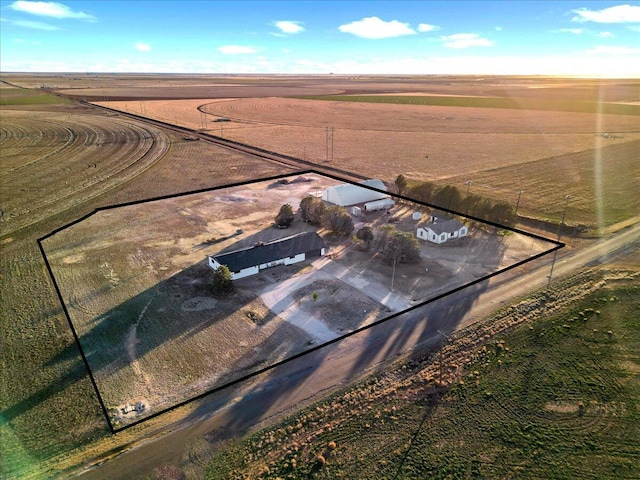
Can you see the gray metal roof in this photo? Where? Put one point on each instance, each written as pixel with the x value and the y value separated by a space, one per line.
pixel 449 226
pixel 271 251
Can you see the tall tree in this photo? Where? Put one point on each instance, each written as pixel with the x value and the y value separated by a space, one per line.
pixel 312 209
pixel 423 192
pixel 221 282
pixel 338 220
pixel 401 247
pixel 401 184
pixel 366 235
pixel 502 213
pixel 285 216
pixel 449 197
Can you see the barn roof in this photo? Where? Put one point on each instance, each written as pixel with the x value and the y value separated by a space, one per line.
pixel 449 226
pixel 349 194
pixel 271 251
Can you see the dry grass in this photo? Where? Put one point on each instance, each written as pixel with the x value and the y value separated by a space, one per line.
pixel 51 418
pixel 422 142
pixel 529 393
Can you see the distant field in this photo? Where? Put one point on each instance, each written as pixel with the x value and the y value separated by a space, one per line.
pixel 19 96
pixel 495 102
pixel 555 398
pixel 603 187
pixel 545 153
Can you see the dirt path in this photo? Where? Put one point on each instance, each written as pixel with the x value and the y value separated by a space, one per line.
pixel 130 343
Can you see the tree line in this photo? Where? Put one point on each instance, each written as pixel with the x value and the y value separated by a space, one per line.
pixel 450 197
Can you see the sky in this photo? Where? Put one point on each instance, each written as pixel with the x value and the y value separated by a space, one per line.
pixel 585 38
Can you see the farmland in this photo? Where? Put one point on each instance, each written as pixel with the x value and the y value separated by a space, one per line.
pixel 59 161
pixel 555 393
pixel 441 139
pixel 50 413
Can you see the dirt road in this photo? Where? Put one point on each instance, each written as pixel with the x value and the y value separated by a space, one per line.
pixel 293 385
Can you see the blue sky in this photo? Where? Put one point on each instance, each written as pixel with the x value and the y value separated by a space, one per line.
pixel 341 37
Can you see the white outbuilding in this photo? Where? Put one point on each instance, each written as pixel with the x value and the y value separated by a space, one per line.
pixel 347 194
pixel 384 204
pixel 442 230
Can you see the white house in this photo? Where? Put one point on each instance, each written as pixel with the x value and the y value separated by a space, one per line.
pixel 441 230
pixel 349 194
pixel 283 251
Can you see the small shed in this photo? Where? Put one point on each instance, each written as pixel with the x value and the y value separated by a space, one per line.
pixel 416 215
pixel 356 211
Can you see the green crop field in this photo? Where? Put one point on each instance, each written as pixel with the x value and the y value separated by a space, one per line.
pixel 21 96
pixel 487 102
pixel 556 397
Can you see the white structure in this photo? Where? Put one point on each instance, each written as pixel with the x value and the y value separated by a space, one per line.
pixel 442 230
pixel 384 204
pixel 349 194
pixel 356 211
pixel 283 251
pixel 416 215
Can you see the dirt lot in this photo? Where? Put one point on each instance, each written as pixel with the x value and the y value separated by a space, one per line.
pixel 139 297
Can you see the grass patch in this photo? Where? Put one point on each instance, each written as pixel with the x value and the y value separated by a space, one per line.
pixel 555 397
pixel 487 102
pixel 23 96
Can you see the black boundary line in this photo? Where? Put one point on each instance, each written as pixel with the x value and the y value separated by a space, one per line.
pixel 75 335
pixel 558 246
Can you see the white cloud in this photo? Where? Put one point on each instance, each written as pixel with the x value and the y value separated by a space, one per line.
pixel 425 27
pixel 617 14
pixel 143 47
pixel 289 26
pixel 236 49
pixel 575 31
pixel 466 40
pixel 375 28
pixel 49 9
pixel 610 50
pixel 33 25
pixel 606 35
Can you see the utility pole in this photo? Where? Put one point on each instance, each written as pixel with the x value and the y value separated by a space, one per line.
pixel 518 202
pixel 332 130
pixel 564 214
pixel 393 273
pixel 326 144
pixel 468 182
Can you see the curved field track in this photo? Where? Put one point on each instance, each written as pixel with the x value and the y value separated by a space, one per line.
pixel 52 161
pixel 382 140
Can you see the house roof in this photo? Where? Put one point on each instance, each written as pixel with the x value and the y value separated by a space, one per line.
pixel 450 226
pixel 271 251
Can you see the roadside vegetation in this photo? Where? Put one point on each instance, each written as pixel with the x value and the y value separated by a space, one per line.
pixel 487 102
pixel 547 387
